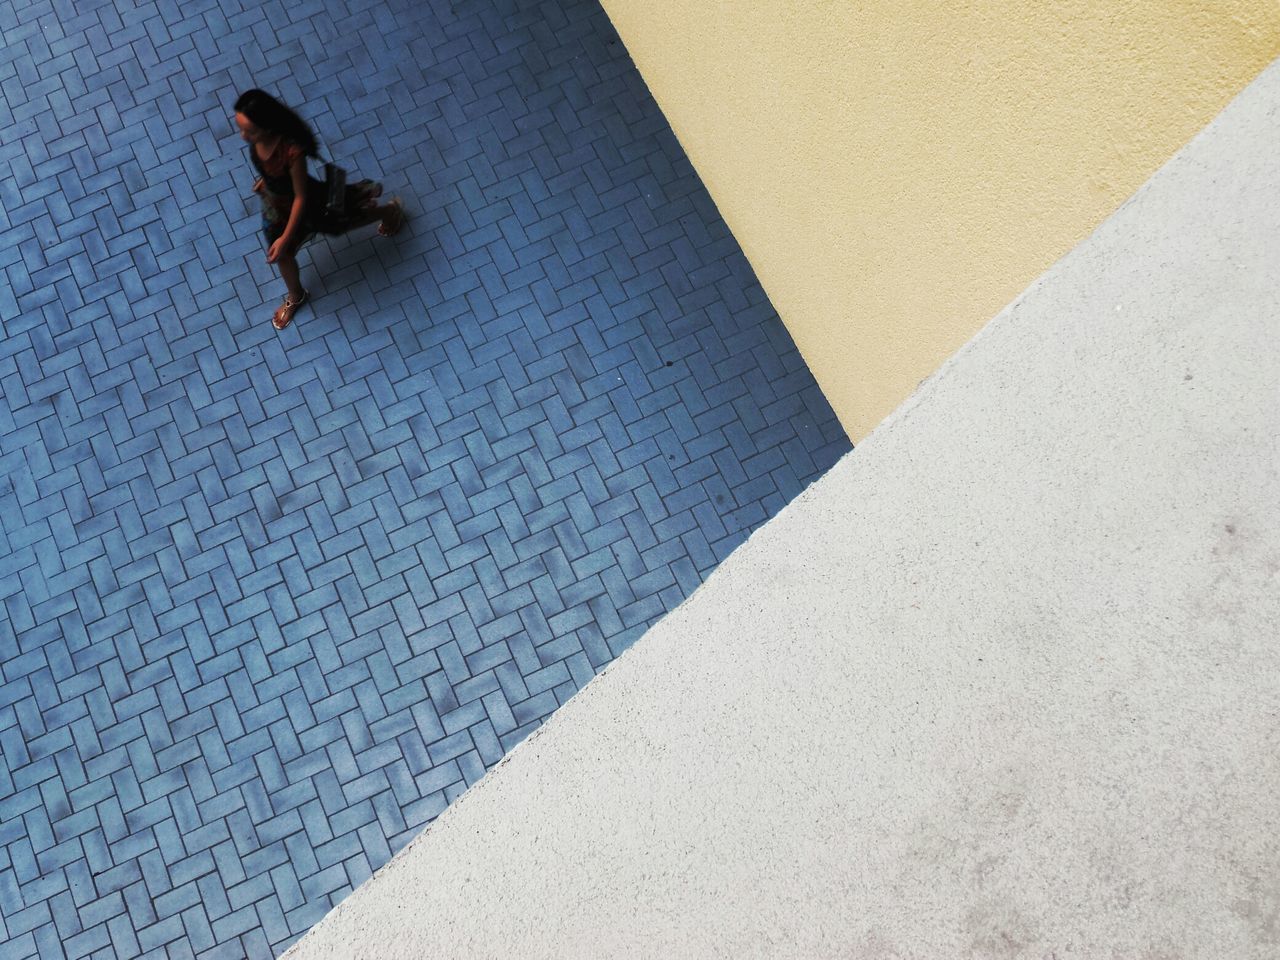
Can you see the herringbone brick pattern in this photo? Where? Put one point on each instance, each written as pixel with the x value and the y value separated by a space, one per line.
pixel 271 601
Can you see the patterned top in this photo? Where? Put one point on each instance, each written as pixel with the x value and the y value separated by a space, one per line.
pixel 275 171
pixel 277 196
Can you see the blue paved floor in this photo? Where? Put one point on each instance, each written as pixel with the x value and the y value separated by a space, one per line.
pixel 270 602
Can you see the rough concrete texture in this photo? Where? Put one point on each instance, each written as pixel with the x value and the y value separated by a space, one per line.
pixel 1004 683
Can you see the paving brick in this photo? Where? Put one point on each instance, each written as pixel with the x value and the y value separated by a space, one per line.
pixel 268 602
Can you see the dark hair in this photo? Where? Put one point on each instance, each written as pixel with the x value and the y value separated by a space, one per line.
pixel 265 111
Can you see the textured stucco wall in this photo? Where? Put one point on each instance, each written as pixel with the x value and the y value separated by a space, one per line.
pixel 1003 684
pixel 897 171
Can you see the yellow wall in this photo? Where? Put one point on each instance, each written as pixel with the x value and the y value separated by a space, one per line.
pixel 897 172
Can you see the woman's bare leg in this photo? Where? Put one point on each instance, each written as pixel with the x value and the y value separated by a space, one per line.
pixel 384 214
pixel 289 271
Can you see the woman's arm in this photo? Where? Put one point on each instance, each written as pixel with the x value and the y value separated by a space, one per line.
pixel 298 173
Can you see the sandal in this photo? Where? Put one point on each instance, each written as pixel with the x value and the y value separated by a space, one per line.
pixel 284 313
pixel 392 227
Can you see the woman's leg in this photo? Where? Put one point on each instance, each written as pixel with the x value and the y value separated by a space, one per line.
pixel 388 216
pixel 289 271
pixel 292 278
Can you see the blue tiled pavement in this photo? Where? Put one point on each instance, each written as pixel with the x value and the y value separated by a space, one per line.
pixel 272 601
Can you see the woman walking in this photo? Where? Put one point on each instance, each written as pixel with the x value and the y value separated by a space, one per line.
pixel 293 202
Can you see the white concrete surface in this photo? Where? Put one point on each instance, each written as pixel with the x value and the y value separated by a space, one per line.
pixel 1004 683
